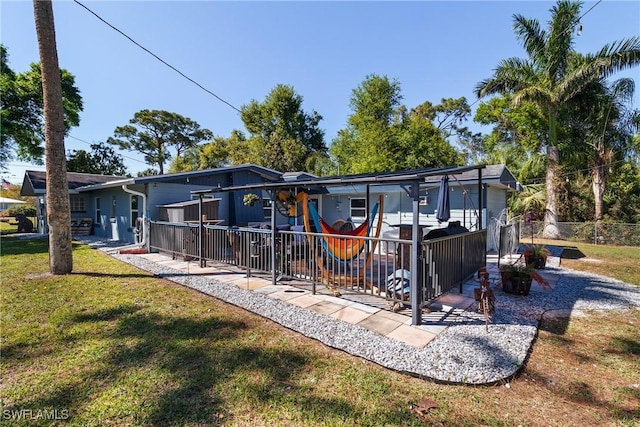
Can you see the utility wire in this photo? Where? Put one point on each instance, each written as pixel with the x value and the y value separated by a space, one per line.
pixel 121 155
pixel 156 56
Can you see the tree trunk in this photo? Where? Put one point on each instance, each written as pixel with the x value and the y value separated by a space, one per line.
pixel 598 184
pixel 58 210
pixel 553 161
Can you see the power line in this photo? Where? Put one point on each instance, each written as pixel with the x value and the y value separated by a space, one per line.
pixel 121 155
pixel 156 56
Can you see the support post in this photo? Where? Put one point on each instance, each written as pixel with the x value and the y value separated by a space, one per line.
pixel 274 236
pixel 480 200
pixel 416 286
pixel 200 232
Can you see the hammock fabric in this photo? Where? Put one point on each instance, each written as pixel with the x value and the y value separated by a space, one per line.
pixel 345 248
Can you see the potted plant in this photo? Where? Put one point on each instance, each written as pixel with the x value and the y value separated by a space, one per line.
pixel 250 199
pixel 536 255
pixel 517 278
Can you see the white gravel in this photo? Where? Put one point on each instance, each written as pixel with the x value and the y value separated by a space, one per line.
pixel 463 353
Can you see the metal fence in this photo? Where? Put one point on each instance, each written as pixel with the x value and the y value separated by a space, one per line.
pixel 378 267
pixel 599 233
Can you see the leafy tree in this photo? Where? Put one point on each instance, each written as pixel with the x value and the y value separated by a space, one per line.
pixel 547 80
pixel 368 142
pixel 12 191
pixel 421 144
pixel 516 139
pixel 281 135
pixel 623 194
pixel 102 160
pixel 22 110
pixel 381 135
pixel 154 132
pixel 58 207
pixel 205 156
pixel 148 172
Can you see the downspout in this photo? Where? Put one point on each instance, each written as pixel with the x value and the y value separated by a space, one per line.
pixel 145 226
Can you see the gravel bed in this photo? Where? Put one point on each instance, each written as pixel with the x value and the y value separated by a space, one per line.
pixel 463 353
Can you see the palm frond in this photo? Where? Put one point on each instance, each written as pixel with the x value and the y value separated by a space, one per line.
pixel 532 36
pixel 538 94
pixel 617 56
pixel 564 16
pixel 510 75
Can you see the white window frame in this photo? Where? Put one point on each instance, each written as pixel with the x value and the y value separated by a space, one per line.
pixel 266 207
pixel 98 212
pixel 77 204
pixel 133 210
pixel 355 210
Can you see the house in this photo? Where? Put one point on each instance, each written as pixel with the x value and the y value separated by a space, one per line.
pixel 35 184
pixel 7 203
pixel 114 204
pixel 337 203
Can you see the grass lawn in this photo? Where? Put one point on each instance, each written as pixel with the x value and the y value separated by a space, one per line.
pixel 6 227
pixel 619 262
pixel 110 345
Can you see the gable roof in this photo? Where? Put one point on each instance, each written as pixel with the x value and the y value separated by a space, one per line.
pixel 35 182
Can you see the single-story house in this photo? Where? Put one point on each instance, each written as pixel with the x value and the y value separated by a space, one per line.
pixel 7 203
pixel 114 204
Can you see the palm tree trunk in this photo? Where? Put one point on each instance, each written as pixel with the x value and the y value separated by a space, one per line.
pixel 551 230
pixel 598 184
pixel 58 210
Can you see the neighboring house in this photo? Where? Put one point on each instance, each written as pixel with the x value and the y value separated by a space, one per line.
pixel 6 203
pixel 114 204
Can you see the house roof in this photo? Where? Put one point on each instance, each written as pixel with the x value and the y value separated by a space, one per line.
pixel 182 177
pixel 187 203
pixel 380 178
pixel 6 200
pixel 35 182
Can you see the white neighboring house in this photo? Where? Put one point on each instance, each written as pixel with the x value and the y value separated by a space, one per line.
pixel 6 203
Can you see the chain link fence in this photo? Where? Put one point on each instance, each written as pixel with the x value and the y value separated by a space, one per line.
pixel 603 233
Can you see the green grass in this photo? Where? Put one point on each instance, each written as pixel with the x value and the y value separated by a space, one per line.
pixel 619 262
pixel 6 227
pixel 112 345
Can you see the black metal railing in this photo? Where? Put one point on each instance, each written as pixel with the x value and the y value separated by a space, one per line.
pixel 379 267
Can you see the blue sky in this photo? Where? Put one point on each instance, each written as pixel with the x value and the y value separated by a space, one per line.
pixel 241 50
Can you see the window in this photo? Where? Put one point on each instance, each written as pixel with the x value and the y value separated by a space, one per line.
pixel 98 216
pixel 266 206
pixel 77 204
pixel 358 208
pixel 134 210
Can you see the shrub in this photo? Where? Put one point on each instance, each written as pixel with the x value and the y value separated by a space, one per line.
pixel 26 210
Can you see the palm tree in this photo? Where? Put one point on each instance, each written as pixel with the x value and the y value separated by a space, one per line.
pixel 547 79
pixel 58 209
pixel 606 125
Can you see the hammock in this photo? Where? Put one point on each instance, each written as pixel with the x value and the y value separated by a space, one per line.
pixel 350 245
pixel 345 248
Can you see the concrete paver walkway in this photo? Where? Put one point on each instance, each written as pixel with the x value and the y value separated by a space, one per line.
pixel 444 311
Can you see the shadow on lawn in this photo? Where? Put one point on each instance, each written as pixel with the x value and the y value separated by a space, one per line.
pixel 203 366
pixel 12 245
pixel 36 244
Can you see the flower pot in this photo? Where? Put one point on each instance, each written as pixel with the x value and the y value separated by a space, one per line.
pixel 536 261
pixel 517 285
